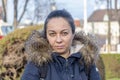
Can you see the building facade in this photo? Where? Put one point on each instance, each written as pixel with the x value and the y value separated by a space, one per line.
pixel 100 23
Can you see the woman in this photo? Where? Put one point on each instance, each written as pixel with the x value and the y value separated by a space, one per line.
pixel 68 55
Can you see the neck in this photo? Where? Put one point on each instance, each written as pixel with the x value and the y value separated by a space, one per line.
pixel 65 55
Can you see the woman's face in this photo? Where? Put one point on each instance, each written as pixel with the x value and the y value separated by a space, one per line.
pixel 59 35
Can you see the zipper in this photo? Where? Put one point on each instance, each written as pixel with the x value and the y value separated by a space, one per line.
pixel 42 79
pixel 66 65
pixel 66 62
pixel 67 72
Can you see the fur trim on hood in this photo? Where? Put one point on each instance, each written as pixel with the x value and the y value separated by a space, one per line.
pixel 39 51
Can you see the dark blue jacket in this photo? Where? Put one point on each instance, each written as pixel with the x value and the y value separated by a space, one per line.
pixel 59 68
pixel 62 69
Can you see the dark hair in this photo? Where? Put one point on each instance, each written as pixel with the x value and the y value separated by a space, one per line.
pixel 60 13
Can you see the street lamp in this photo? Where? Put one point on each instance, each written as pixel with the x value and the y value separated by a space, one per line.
pixel 85 14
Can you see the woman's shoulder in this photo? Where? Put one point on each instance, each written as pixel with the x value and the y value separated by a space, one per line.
pixel 31 72
pixel 31 67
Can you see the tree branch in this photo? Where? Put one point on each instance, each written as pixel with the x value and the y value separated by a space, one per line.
pixel 24 10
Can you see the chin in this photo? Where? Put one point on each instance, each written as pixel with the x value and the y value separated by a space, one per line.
pixel 61 51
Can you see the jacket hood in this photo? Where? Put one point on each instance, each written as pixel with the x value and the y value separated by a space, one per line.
pixel 39 50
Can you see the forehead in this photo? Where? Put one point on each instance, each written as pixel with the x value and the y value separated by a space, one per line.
pixel 58 23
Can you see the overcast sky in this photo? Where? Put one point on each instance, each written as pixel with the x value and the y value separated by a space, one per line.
pixel 76 7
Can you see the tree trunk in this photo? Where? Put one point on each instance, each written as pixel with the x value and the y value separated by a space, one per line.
pixel 15 23
pixel 116 4
pixel 109 25
pixel 4 3
pixel 119 30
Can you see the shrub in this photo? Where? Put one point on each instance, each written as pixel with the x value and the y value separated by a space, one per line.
pixel 12 54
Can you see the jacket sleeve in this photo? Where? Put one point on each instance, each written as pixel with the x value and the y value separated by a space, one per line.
pixel 94 73
pixel 31 72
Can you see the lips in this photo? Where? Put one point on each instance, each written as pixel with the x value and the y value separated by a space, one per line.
pixel 59 47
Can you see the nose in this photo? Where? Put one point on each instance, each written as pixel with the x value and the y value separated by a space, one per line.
pixel 58 39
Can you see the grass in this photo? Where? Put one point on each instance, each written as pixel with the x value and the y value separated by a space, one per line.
pixel 112 66
pixel 113 79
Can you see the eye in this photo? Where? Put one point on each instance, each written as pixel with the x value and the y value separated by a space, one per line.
pixel 52 34
pixel 64 33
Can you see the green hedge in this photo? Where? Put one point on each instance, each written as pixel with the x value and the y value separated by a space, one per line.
pixel 18 34
pixel 112 66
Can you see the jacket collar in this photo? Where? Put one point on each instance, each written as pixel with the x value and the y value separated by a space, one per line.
pixel 74 55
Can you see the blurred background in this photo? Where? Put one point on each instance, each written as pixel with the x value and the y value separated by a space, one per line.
pixel 99 17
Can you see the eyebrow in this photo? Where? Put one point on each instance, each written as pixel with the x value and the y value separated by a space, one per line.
pixel 62 30
pixel 51 31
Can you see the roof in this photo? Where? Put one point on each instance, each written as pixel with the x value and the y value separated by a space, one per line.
pixel 77 22
pixel 99 15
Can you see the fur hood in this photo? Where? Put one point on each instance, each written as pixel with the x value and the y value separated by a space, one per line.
pixel 39 51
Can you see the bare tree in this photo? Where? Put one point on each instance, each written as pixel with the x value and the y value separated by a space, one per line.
pixel 24 10
pixel 16 19
pixel 37 12
pixel 109 6
pixel 42 8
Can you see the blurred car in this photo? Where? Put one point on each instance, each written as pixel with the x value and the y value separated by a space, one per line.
pixel 5 29
pixel 1 36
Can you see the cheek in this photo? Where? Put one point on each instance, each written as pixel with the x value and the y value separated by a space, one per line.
pixel 50 40
pixel 69 40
